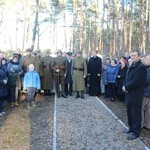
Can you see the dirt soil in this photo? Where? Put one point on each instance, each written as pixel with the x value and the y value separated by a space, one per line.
pixel 28 129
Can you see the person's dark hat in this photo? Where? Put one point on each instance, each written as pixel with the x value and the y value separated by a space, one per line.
pixel 47 51
pixel 69 53
pixel 28 50
pixel 15 55
pixel 78 52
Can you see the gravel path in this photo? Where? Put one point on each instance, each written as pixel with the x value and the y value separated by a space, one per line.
pixel 88 125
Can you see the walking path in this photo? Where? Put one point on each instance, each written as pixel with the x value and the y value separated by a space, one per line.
pixel 89 125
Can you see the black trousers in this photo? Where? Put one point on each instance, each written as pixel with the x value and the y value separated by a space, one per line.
pixel 68 89
pixel 112 90
pixel 134 119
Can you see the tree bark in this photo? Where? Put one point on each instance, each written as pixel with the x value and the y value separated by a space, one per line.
pixel 35 25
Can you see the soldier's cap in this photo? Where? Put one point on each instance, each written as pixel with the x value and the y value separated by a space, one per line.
pixel 28 50
pixel 73 54
pixel 59 51
pixel 47 51
pixel 78 52
pixel 36 52
pixel 69 53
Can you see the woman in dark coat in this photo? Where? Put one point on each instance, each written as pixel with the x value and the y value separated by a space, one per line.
pixel 121 79
pixel 14 61
pixel 3 89
pixel 111 78
pixel 94 72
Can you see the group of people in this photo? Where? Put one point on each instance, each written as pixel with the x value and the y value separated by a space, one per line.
pixel 126 79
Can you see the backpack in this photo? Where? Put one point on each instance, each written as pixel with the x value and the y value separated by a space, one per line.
pixel 13 79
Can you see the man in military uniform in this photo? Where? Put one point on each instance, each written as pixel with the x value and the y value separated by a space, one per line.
pixel 47 83
pixel 27 60
pixel 38 63
pixel 59 72
pixel 79 74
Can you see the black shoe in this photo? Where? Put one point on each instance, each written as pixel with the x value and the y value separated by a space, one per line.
pixel 112 100
pixel 77 96
pixel 145 128
pixel 131 136
pixel 70 94
pixel 64 96
pixel 127 131
pixel 82 96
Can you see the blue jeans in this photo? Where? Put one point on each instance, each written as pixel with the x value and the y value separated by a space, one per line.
pixel 30 94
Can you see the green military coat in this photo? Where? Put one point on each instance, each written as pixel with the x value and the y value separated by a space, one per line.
pixel 26 61
pixel 61 64
pixel 47 63
pixel 38 66
pixel 79 71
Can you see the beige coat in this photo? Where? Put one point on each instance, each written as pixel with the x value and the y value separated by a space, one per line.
pixel 79 72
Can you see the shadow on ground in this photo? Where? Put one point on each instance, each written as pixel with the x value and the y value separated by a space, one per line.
pixel 41 123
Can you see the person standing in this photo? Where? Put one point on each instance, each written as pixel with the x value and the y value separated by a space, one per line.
pixel 105 65
pixel 59 71
pixel 134 89
pixel 31 83
pixel 121 79
pixel 27 60
pixel 111 79
pixel 68 78
pixel 14 85
pixel 79 74
pixel 47 80
pixel 94 73
pixel 3 89
pixel 146 99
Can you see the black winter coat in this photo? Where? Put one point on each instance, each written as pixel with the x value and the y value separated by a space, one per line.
pixel 121 79
pixel 147 84
pixel 135 81
pixel 3 87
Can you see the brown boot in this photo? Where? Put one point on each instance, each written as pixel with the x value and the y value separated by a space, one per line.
pixel 12 104
pixel 16 104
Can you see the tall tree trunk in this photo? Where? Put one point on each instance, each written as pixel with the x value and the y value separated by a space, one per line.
pixel 131 27
pixel 126 29
pixel 122 28
pixel 144 27
pixel 117 28
pixel 65 32
pixel 81 26
pixel 35 25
